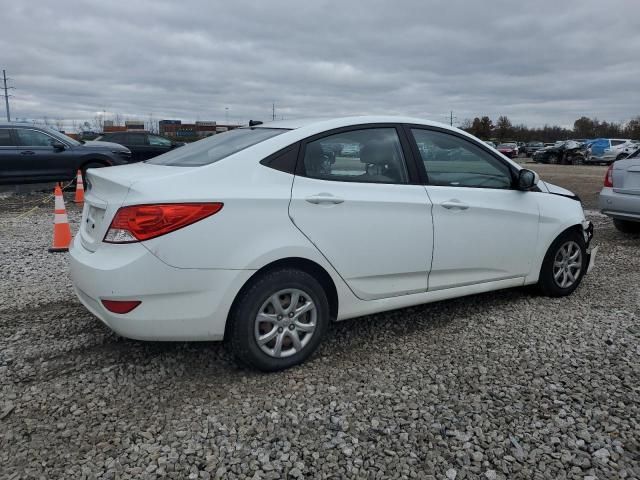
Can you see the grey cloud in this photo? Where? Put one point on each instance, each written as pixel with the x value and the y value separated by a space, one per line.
pixel 537 62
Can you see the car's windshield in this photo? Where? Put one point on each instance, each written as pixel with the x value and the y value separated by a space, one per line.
pixel 61 136
pixel 216 147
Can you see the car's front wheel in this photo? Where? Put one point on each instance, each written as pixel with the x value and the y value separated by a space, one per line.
pixel 279 320
pixel 625 226
pixel 564 265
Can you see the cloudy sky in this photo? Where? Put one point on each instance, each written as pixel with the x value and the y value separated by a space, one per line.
pixel 543 61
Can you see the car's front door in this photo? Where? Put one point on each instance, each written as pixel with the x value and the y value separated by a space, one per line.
pixel 484 229
pixel 357 199
pixel 10 166
pixel 41 161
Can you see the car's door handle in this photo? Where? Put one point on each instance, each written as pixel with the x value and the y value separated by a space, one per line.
pixel 27 152
pixel 454 205
pixel 323 198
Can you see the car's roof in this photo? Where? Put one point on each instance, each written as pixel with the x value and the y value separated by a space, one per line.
pixel 20 124
pixel 328 123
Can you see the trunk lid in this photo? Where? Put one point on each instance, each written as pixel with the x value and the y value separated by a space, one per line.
pixel 626 176
pixel 105 191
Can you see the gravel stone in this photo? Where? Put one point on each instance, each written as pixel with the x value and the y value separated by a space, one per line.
pixel 501 385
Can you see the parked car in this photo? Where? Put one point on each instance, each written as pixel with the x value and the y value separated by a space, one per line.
pixel 143 145
pixel 532 147
pixel 491 144
pixel 258 237
pixel 508 149
pixel 34 154
pixel 568 152
pixel 620 196
pixel 608 150
pixel 521 146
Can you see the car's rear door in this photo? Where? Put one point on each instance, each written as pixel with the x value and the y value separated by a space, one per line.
pixel 484 230
pixel 356 196
pixel 11 167
pixel 40 161
pixel 137 143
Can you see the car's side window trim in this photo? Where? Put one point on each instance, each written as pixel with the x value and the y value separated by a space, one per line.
pixel 407 127
pixel 412 172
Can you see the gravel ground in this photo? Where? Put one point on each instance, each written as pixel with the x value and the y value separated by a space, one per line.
pixel 501 385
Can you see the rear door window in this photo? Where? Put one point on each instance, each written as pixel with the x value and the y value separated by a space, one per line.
pixel 5 138
pixel 372 155
pixel 136 139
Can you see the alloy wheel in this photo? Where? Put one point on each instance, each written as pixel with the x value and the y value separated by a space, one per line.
pixel 567 264
pixel 285 323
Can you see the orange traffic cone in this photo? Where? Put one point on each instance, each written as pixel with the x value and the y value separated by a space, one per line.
pixel 61 228
pixel 79 188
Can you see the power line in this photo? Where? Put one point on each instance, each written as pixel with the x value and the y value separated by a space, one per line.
pixel 6 94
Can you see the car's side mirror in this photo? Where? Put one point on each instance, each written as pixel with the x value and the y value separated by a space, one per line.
pixel 527 179
pixel 58 146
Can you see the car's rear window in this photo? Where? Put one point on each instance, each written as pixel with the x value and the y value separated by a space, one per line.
pixel 216 147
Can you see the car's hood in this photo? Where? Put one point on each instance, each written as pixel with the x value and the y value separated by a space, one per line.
pixel 556 190
pixel 105 145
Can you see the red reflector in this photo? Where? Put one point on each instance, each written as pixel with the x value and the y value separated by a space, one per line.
pixel 120 306
pixel 137 223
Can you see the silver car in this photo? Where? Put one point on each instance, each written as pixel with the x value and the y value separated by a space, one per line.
pixel 620 196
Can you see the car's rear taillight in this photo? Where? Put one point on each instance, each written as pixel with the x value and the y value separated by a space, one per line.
pixel 137 223
pixel 608 178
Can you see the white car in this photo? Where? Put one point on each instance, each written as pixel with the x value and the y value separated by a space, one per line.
pixel 264 235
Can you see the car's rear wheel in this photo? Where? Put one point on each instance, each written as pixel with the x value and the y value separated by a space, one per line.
pixel 564 265
pixel 278 320
pixel 625 226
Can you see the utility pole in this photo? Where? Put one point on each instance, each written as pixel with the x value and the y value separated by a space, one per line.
pixel 226 115
pixel 451 118
pixel 273 111
pixel 6 94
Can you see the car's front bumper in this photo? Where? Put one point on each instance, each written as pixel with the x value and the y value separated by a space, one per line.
pixel 621 206
pixel 177 303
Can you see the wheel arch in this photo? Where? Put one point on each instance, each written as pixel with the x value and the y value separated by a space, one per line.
pixel 298 263
pixel 536 269
pixel 95 159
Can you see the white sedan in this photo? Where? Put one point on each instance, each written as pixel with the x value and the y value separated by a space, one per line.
pixel 264 235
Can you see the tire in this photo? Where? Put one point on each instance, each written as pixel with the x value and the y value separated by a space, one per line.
pixel 554 159
pixel 554 262
pixel 88 166
pixel 258 298
pixel 626 226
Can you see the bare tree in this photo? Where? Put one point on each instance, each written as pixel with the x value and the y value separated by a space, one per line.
pixel 59 123
pixel 117 120
pixel 98 123
pixel 152 124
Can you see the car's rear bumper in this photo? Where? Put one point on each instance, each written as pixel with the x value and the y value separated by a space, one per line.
pixel 619 205
pixel 177 303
